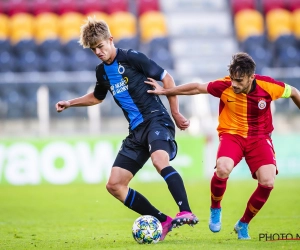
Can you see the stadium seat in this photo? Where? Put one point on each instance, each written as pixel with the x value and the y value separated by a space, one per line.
pixel 99 15
pixel 46 26
pixel 263 57
pixel 42 6
pixel 4 7
pixel 163 58
pixel 69 26
pixel 54 60
pixel 65 6
pixel 284 41
pixel 7 61
pixel 294 5
pixel 123 25
pixel 268 5
pixel 253 41
pixel 71 46
pixel 296 23
pixel 248 23
pixel 48 46
pixel 29 61
pixel 14 100
pixel 18 6
pixel 278 22
pixel 117 5
pixel 237 5
pixel 147 5
pixel 21 27
pixel 4 24
pixel 87 6
pixel 23 45
pixel 128 43
pixel 79 61
pixel 5 45
pixel 288 57
pixel 152 25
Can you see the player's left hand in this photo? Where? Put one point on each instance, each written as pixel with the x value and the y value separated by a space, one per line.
pixel 181 122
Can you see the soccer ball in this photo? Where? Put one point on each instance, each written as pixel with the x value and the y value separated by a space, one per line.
pixel 146 229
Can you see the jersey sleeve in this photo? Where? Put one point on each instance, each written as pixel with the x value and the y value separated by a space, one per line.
pixel 217 87
pixel 100 91
pixel 276 89
pixel 144 64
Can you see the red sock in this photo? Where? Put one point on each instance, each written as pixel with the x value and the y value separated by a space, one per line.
pixel 256 201
pixel 217 189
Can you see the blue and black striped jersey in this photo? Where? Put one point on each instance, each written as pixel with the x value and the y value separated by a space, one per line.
pixel 124 79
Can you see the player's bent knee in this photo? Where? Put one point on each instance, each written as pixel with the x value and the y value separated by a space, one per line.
pixel 267 182
pixel 223 171
pixel 113 188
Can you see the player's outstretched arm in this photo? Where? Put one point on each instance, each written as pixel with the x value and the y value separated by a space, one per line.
pixel 295 95
pixel 184 89
pixel 83 101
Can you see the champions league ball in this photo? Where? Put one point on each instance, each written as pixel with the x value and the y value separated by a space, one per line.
pixel 146 229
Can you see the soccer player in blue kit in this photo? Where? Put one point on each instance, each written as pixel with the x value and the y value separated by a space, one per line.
pixel 151 129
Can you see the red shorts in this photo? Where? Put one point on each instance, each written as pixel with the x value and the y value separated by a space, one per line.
pixel 258 151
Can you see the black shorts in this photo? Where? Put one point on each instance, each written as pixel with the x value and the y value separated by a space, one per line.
pixel 155 134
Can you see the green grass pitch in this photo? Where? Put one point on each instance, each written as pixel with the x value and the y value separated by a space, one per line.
pixel 82 216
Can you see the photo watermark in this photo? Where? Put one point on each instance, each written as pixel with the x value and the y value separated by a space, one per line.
pixel 278 236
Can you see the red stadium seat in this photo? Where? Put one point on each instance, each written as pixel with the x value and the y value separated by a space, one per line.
pixel 248 23
pixel 147 5
pixel 237 5
pixel 268 5
pixel 42 6
pixel 293 4
pixel 279 22
pixel 18 6
pixel 87 6
pixel 65 6
pixel 4 7
pixel 117 5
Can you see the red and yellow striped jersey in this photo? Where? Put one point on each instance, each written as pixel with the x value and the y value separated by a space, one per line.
pixel 246 114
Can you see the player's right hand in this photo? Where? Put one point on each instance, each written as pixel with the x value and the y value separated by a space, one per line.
pixel 157 89
pixel 62 105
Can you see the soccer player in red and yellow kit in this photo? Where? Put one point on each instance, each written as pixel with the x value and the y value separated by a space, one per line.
pixel 245 127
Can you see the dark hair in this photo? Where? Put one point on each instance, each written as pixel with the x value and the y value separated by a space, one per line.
pixel 242 64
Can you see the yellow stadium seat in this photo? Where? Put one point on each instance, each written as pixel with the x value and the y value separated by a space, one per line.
pixel 99 16
pixel 279 22
pixel 46 26
pixel 152 25
pixel 123 25
pixel 69 26
pixel 247 23
pixel 4 30
pixel 21 27
pixel 296 23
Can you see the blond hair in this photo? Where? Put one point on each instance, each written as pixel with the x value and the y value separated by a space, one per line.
pixel 93 31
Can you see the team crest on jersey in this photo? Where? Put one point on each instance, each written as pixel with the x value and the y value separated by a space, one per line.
pixel 262 103
pixel 121 69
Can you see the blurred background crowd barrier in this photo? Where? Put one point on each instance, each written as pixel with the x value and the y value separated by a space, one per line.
pixel 41 61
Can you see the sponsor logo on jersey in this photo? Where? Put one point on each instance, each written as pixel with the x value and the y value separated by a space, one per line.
pixel 120 86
